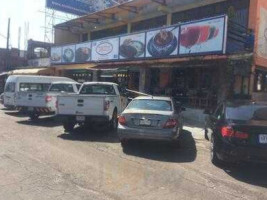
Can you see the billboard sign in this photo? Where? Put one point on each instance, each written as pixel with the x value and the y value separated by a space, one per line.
pixel 56 53
pixel 132 46
pixel 162 42
pixel 68 54
pixel 82 7
pixel 105 49
pixel 83 52
pixel 262 34
pixel 203 37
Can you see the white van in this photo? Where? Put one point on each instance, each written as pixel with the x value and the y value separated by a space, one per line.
pixel 18 86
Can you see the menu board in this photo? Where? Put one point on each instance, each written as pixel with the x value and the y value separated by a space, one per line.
pixel 105 49
pixel 83 52
pixel 162 42
pixel 203 37
pixel 132 46
pixel 56 55
pixel 68 54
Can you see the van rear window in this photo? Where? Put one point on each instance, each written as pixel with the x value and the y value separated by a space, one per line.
pixel 34 87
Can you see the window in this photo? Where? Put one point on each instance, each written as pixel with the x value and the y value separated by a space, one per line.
pixel 98 89
pixel 147 104
pixel 34 87
pixel 10 87
pixel 62 88
pixel 247 112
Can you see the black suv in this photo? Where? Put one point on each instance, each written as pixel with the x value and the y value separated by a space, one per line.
pixel 237 131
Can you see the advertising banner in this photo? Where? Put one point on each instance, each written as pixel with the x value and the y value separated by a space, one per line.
pixel 56 55
pixel 105 49
pixel 68 54
pixel 83 52
pixel 162 42
pixel 262 35
pixel 132 46
pixel 82 7
pixel 202 37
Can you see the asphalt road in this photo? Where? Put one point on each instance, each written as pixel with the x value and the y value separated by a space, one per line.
pixel 39 161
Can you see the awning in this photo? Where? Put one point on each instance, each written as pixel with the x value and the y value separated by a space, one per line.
pixel 33 71
pixel 74 66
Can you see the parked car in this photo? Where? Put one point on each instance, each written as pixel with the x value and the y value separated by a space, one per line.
pixel 237 131
pixel 151 118
pixel 98 104
pixel 29 93
pixel 2 98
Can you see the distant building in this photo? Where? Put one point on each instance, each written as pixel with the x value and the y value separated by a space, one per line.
pixel 12 59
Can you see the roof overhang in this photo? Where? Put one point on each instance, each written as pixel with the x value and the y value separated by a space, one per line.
pixel 129 12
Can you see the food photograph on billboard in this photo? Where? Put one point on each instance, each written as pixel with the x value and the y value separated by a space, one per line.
pixel 105 49
pixel 68 54
pixel 56 56
pixel 83 52
pixel 132 46
pixel 162 42
pixel 203 37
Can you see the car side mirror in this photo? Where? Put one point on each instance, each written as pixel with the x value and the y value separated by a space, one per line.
pixel 207 112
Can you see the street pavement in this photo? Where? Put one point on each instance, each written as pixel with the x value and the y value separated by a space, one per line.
pixel 39 161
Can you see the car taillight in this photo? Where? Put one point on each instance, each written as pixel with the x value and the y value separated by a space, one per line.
pixel 48 99
pixel 171 123
pixel 56 104
pixel 122 120
pixel 106 105
pixel 241 135
pixel 228 131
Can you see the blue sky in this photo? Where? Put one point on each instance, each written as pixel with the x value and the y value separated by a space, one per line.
pixel 21 11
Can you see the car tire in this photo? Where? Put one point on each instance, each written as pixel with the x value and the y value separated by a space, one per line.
pixel 114 121
pixel 213 151
pixel 34 116
pixel 68 126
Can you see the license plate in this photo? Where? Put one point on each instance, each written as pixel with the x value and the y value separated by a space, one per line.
pixel 80 118
pixel 30 109
pixel 263 138
pixel 145 122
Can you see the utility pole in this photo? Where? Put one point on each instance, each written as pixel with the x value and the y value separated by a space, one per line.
pixel 7 44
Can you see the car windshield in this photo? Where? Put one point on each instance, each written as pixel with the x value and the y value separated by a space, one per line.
pixel 148 104
pixel 98 89
pixel 34 87
pixel 10 87
pixel 61 88
pixel 247 112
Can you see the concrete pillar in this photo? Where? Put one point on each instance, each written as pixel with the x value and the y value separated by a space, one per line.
pixel 169 19
pixel 89 36
pixel 142 80
pixel 129 28
pixel 95 75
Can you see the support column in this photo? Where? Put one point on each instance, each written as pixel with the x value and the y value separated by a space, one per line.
pixel 144 80
pixel 169 19
pixel 129 27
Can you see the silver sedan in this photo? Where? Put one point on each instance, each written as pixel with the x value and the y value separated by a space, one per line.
pixel 151 118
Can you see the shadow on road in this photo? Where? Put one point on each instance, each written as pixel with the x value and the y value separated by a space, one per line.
pixel 163 151
pixel 16 114
pixel 44 122
pixel 88 134
pixel 249 173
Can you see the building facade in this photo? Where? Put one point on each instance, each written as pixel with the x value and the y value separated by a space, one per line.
pixel 195 75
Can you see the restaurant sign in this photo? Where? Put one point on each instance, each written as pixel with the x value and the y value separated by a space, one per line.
pixel 203 37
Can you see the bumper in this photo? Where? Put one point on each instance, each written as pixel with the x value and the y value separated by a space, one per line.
pixel 88 119
pixel 41 110
pixel 147 134
pixel 243 154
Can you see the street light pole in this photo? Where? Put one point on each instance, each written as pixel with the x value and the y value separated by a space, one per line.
pixel 7 44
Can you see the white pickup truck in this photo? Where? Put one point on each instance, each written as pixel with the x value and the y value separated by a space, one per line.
pixel 36 101
pixel 98 103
